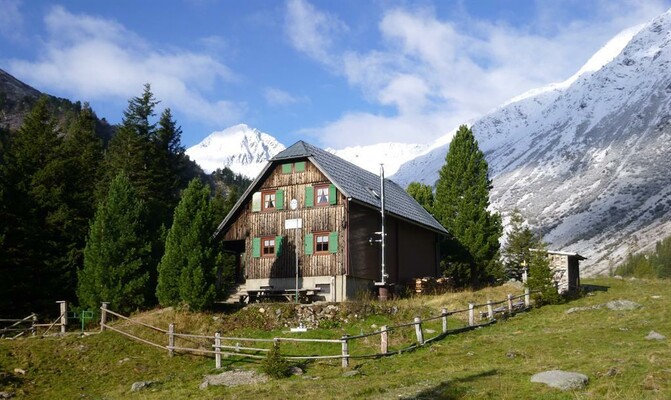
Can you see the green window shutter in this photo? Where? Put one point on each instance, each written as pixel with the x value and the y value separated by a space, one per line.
pixel 286 168
pixel 333 242
pixel 300 166
pixel 279 199
pixel 278 245
pixel 256 202
pixel 332 194
pixel 256 247
pixel 309 196
pixel 308 244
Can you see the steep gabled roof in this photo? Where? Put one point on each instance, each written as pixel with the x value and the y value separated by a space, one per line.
pixel 354 182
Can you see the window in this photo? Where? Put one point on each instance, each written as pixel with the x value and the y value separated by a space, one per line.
pixel 295 167
pixel 268 246
pixel 322 195
pixel 269 200
pixel 321 242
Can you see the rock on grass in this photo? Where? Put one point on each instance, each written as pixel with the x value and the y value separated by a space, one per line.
pixel 562 380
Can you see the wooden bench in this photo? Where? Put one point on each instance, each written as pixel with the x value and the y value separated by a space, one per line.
pixel 268 292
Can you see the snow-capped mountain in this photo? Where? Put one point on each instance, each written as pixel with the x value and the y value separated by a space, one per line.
pixel 586 160
pixel 243 149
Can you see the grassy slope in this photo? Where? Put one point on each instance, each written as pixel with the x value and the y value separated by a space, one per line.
pixel 493 362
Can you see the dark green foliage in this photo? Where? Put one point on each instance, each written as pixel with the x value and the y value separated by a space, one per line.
pixel 541 277
pixel 656 264
pixel 274 364
pixel 117 252
pixel 461 202
pixel 186 272
pixel 516 251
pixel 423 194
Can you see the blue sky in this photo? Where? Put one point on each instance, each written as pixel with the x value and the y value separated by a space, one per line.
pixel 335 73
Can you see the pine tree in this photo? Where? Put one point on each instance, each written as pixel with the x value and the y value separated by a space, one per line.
pixel 187 270
pixel 461 202
pixel 516 251
pixel 423 194
pixel 117 252
pixel 541 277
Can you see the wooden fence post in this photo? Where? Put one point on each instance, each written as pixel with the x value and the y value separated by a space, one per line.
pixel 384 340
pixel 527 297
pixel 171 339
pixel 217 348
pixel 345 352
pixel 443 314
pixel 471 314
pixel 33 328
pixel 418 331
pixel 510 304
pixel 64 314
pixel 490 310
pixel 103 315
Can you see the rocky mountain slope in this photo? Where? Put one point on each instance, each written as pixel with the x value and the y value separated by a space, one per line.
pixel 586 161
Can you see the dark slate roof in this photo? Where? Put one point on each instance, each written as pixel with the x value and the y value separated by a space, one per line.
pixel 355 183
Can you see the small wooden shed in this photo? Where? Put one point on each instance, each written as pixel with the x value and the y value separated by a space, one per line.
pixel 566 269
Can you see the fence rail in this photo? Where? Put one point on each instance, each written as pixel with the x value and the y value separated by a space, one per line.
pixel 231 346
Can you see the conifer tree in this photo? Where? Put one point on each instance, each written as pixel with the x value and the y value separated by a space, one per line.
pixel 516 251
pixel 187 270
pixel 541 277
pixel 461 202
pixel 423 194
pixel 117 252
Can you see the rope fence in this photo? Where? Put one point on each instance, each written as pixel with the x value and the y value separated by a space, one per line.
pixel 343 348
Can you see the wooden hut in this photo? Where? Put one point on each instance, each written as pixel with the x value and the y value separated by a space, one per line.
pixel 311 221
pixel 566 269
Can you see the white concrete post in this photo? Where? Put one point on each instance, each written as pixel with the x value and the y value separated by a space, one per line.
pixel 490 310
pixel 171 339
pixel 527 297
pixel 64 314
pixel 471 314
pixel 217 348
pixel 345 352
pixel 443 314
pixel 510 304
pixel 384 340
pixel 418 331
pixel 103 315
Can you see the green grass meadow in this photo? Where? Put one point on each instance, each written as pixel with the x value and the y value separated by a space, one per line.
pixel 493 362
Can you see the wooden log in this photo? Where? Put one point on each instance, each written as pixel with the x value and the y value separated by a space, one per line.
pixel 490 310
pixel 384 340
pixel 418 331
pixel 64 314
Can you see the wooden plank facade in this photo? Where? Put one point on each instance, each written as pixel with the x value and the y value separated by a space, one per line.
pixel 337 253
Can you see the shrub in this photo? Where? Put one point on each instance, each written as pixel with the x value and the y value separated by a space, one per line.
pixel 274 364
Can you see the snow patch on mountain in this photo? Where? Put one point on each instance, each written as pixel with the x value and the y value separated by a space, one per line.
pixel 243 149
pixel 392 155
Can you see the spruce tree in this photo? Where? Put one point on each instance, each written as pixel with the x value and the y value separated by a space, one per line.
pixel 186 272
pixel 117 252
pixel 461 202
pixel 541 277
pixel 516 251
pixel 423 194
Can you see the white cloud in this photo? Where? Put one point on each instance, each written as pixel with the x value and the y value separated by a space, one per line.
pixel 11 19
pixel 93 58
pixel 278 97
pixel 439 73
pixel 311 31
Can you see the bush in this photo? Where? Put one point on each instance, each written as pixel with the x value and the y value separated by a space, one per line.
pixel 274 364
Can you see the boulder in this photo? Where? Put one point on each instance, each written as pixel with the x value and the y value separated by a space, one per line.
pixel 655 336
pixel 137 386
pixel 562 380
pixel 234 378
pixel 622 305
